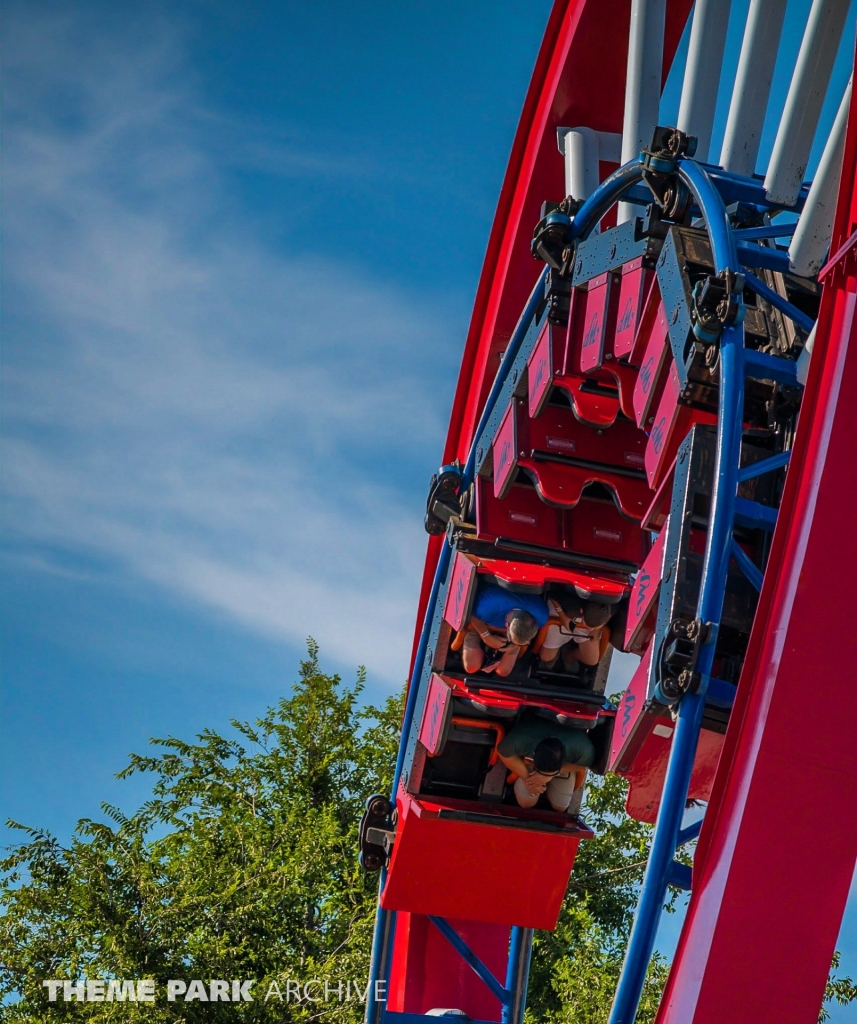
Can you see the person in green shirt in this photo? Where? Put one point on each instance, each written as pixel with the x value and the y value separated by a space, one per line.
pixel 546 757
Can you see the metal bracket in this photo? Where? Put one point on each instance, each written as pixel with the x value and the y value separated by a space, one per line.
pixel 550 242
pixel 659 160
pixel 377 833
pixel 444 501
pixel 381 837
pixel 717 302
pixel 679 654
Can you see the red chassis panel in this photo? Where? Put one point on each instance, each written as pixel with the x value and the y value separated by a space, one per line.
pixel 599 321
pixel 499 874
pixel 594 528
pixel 758 887
pixel 429 974
pixel 528 575
pixel 641 746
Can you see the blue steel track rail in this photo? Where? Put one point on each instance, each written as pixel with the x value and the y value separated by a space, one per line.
pixel 733 251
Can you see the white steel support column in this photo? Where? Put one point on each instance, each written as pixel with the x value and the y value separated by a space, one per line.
pixel 643 81
pixel 815 227
pixel 805 99
pixel 752 85
pixel 583 149
pixel 581 152
pixel 702 72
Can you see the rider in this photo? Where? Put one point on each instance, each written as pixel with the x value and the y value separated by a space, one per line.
pixel 579 631
pixel 502 622
pixel 546 757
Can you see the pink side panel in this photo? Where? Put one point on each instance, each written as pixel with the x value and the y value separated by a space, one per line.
pixel 505 453
pixel 643 604
pixel 595 322
pixel 630 708
pixel 672 422
pixel 434 714
pixel 539 372
pixel 458 596
pixel 650 378
pixel 635 280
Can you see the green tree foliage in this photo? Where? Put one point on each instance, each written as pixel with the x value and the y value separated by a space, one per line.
pixel 243 866
pixel 840 990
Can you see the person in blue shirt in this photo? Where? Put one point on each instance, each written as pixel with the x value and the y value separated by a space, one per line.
pixel 503 624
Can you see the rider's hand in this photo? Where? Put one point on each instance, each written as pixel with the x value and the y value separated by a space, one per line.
pixel 536 783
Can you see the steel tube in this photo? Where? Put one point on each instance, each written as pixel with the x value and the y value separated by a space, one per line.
pixel 664 842
pixel 734 188
pixel 815 227
pixel 729 427
pixel 605 196
pixel 752 255
pixel 642 81
pixel 752 86
pixel 581 162
pixel 518 974
pixel 768 465
pixel 778 302
pixel 768 231
pixel 805 99
pixel 380 961
pixel 746 564
pixel 689 833
pixel 711 206
pixel 702 72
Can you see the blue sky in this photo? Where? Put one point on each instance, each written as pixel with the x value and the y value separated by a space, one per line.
pixel 241 246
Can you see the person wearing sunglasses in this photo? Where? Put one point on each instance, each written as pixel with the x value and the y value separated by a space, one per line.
pixel 547 758
pixel 502 626
pixel 577 634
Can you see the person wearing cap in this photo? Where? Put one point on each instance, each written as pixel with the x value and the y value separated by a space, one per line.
pixel 503 624
pixel 580 627
pixel 547 758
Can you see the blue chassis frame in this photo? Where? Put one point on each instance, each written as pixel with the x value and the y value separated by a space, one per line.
pixel 733 250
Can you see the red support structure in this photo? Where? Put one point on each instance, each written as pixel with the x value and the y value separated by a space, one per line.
pixel 429 974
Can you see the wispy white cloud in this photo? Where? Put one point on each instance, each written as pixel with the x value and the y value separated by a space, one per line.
pixel 214 415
